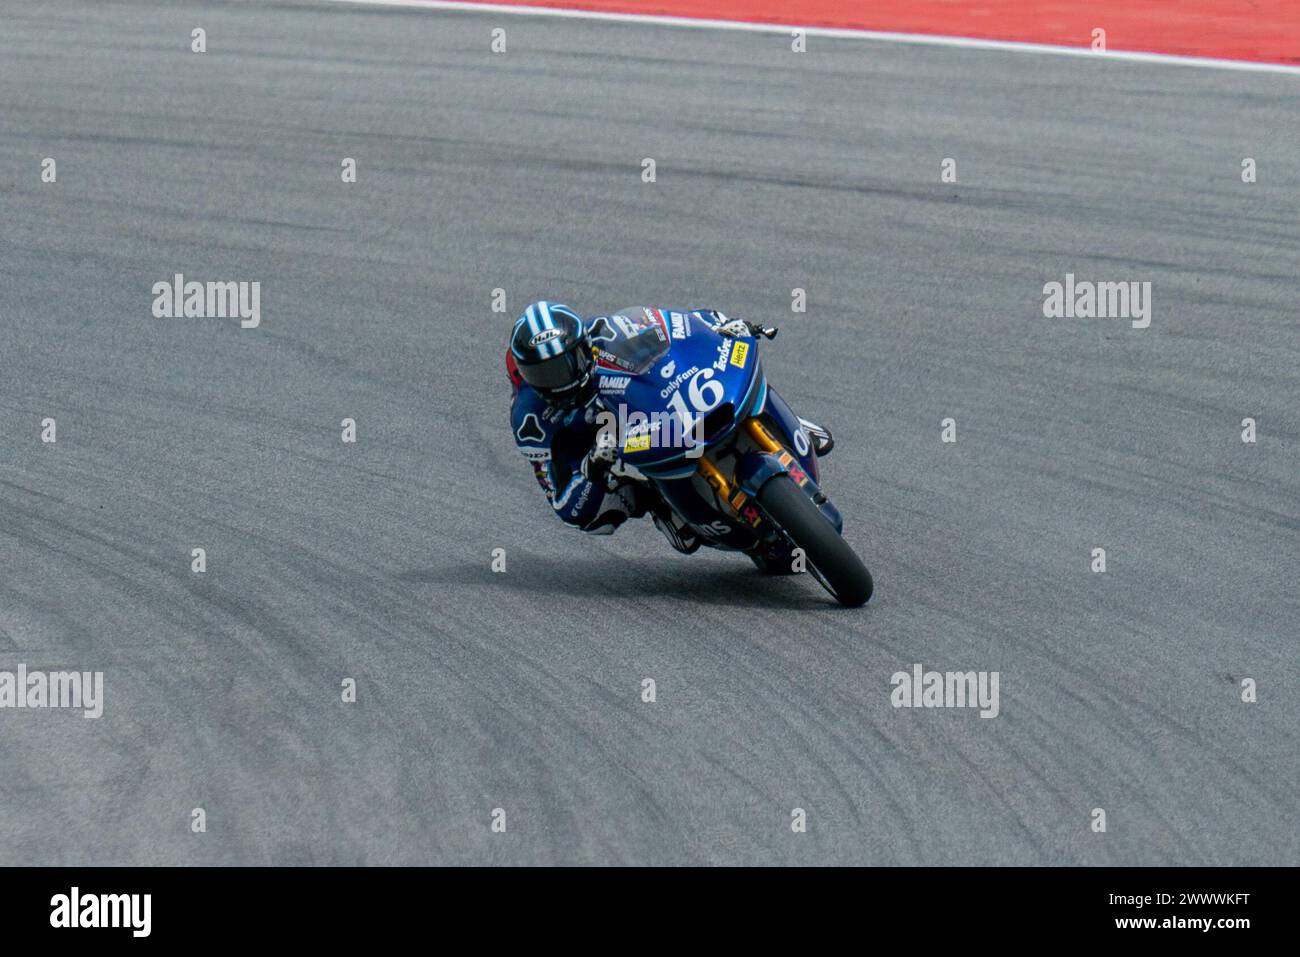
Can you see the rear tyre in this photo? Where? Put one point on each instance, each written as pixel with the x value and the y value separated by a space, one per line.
pixel 836 565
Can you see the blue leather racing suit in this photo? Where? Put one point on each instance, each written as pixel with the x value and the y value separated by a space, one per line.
pixel 556 439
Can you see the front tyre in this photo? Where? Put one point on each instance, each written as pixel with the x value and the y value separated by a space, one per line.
pixel 836 565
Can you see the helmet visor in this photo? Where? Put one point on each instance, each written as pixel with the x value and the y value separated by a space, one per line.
pixel 566 371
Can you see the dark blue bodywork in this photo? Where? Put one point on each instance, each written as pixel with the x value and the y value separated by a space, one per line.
pixel 680 381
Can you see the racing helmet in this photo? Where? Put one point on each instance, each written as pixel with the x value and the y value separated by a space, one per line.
pixel 552 351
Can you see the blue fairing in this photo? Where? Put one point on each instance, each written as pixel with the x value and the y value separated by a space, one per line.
pixel 796 440
pixel 670 380
pixel 702 372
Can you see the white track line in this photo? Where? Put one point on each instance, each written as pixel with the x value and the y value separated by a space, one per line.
pixel 923 38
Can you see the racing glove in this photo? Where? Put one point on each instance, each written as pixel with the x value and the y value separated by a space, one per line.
pixel 601 457
pixel 735 328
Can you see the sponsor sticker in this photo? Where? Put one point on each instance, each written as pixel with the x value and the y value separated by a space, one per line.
pixel 644 324
pixel 546 335
pixel 608 360
pixel 796 471
pixel 582 499
pixel 630 327
pixel 637 443
pixel 614 383
pixel 676 383
pixel 739 353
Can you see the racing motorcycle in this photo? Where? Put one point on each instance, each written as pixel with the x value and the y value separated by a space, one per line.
pixel 697 421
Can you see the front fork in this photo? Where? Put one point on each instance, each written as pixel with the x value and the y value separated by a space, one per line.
pixel 755 468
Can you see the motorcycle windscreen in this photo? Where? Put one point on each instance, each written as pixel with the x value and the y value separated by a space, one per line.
pixel 643 340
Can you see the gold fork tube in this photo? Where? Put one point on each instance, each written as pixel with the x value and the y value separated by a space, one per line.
pixel 762 437
pixel 713 475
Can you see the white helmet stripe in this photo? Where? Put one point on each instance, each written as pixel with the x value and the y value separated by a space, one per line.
pixel 544 324
pixel 552 347
pixel 555 346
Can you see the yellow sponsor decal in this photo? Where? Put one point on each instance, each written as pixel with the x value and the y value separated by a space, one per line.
pixel 637 443
pixel 739 353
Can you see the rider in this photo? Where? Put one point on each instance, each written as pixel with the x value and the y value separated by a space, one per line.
pixel 553 414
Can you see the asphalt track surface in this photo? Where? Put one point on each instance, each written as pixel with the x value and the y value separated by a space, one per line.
pixel 521 690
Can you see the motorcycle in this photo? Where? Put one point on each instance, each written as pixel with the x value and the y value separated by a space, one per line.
pixel 692 415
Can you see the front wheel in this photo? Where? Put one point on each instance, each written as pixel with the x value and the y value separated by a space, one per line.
pixel 835 564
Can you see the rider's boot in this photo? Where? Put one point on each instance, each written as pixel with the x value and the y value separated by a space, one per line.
pixel 677 532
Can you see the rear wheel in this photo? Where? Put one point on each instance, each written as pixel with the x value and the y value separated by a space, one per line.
pixel 835 564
